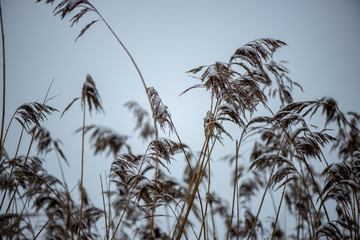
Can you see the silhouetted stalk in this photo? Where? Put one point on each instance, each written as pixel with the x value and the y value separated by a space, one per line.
pixel 49 220
pixel 69 215
pixel 272 200
pixel 61 204
pixel 237 212
pixel 152 109
pixel 67 227
pixel 208 189
pixel 191 226
pixel 132 60
pixel 237 147
pixel 196 177
pixel 7 129
pixel 281 199
pixel 21 173
pixel 265 191
pixel 192 172
pixel 109 207
pixel 201 173
pixel 156 179
pixel 302 157
pixel 12 169
pixel 13 164
pixel 208 196
pixel 16 211
pixel 67 195
pixel 82 168
pixel 213 222
pixel 347 216
pixel 309 202
pixel 308 195
pixel 4 82
pixel 191 200
pixel 19 216
pixel 195 180
pixel 207 201
pixel 104 207
pixel 28 217
pixel 28 152
pixel 130 195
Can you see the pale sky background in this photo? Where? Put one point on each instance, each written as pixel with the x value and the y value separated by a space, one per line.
pixel 166 39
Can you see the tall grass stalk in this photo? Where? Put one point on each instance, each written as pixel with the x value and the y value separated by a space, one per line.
pixel 4 81
pixel 82 166
pixel 151 105
pixel 265 192
pixel 235 185
pixel 104 207
pixel 140 187
pixel 196 177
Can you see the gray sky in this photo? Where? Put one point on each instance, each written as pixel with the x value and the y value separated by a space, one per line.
pixel 167 38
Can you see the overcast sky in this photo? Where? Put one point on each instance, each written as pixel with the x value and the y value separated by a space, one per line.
pixel 166 39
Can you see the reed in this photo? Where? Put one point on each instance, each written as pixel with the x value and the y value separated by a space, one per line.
pixel 140 197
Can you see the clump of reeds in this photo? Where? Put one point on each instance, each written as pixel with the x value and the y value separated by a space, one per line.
pixel 140 197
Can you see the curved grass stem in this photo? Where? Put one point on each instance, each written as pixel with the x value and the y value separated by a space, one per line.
pixel 265 191
pixel 151 105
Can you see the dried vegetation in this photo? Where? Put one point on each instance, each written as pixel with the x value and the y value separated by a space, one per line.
pixel 141 200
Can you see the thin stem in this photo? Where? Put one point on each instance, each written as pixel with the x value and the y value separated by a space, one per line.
pixel 131 58
pixel 237 146
pixel 237 212
pixel 27 155
pixel 61 204
pixel 22 172
pixel 156 183
pixel 105 217
pixel 197 176
pixel 82 168
pixel 46 223
pixel 201 174
pixel 12 168
pixel 196 186
pixel 109 207
pixel 302 157
pixel 213 222
pixel 129 198
pixel 4 82
pixel 187 195
pixel 265 191
pixel 207 203
pixel 281 200
pixel 152 107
